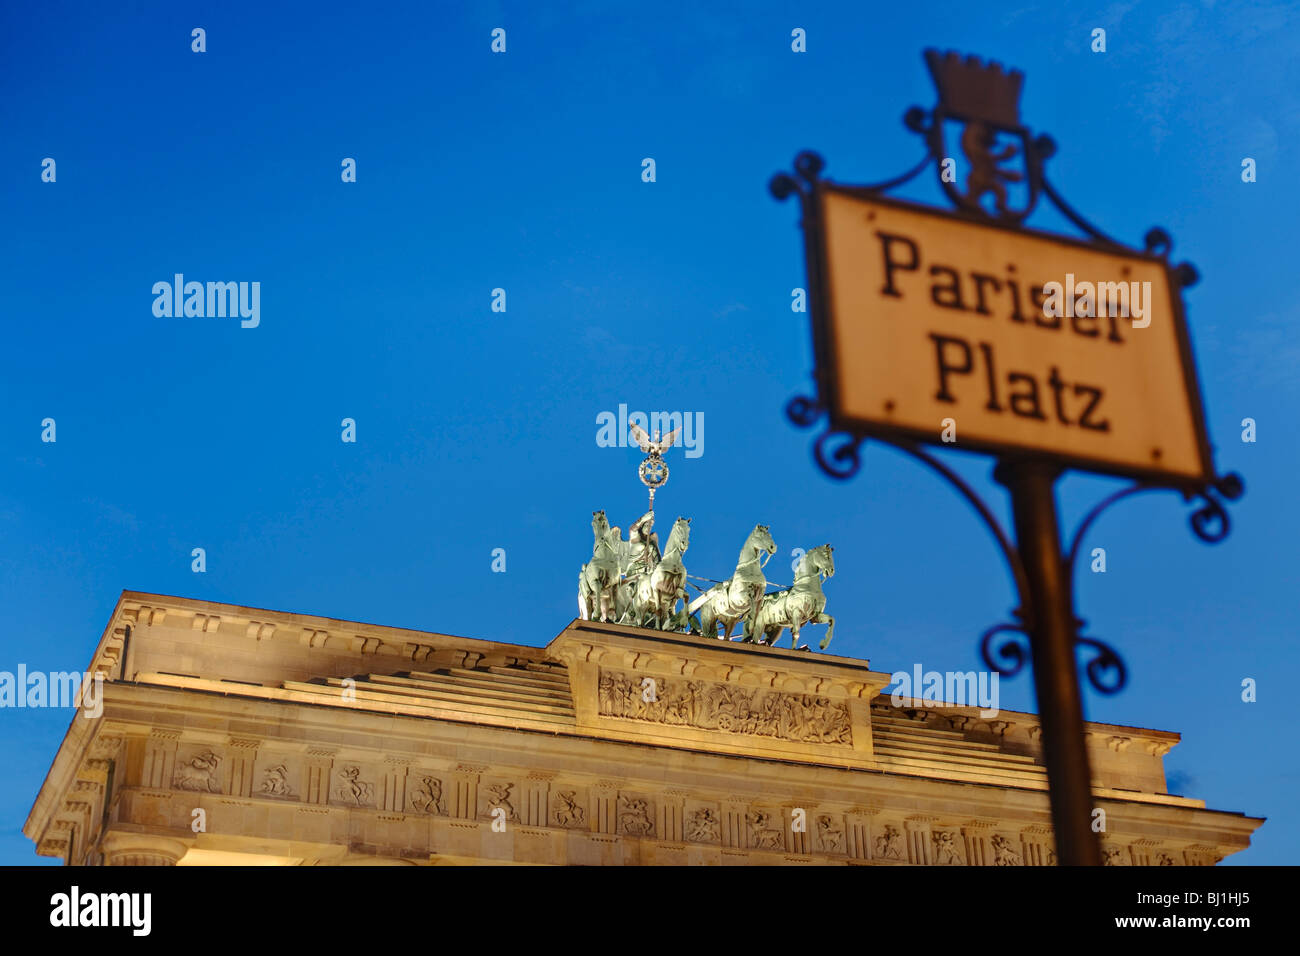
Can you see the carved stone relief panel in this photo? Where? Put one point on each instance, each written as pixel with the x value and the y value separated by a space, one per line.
pixel 726 708
pixel 888 843
pixel 494 795
pixel 569 807
pixel 353 784
pixel 278 776
pixel 765 829
pixel 1113 855
pixel 702 822
pixel 828 831
pixel 198 768
pixel 947 848
pixel 635 815
pixel 1006 850
pixel 425 793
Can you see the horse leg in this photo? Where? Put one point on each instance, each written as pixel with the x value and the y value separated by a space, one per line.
pixel 751 616
pixel 824 618
pixel 708 626
pixel 693 624
pixel 681 619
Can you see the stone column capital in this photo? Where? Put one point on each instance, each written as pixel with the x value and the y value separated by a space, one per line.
pixel 141 849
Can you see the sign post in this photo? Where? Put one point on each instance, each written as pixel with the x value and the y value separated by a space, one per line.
pixel 1056 680
pixel 966 329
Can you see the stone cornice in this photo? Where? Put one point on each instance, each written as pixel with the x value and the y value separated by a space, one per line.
pixel 1114 737
pixel 141 610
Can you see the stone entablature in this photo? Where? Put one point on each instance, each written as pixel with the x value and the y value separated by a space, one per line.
pixel 676 690
pixel 591 777
pixel 381 797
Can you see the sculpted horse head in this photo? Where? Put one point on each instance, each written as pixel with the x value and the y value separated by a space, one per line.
pixel 679 539
pixel 818 561
pixel 759 541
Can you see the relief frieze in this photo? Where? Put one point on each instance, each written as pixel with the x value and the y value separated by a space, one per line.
pixel 804 718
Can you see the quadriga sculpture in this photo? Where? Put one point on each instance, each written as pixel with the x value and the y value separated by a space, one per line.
pixel 654 603
pixel 737 599
pixel 804 603
pixel 630 582
pixel 599 577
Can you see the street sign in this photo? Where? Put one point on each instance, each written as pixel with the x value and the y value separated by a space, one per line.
pixel 934 326
pixel 969 330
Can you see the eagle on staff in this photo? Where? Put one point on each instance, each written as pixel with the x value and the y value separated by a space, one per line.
pixel 653 470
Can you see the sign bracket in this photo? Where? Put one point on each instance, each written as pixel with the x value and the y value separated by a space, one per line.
pixel 984 99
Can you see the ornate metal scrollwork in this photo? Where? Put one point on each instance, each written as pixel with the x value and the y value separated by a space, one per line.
pixel 804 411
pixel 1210 522
pixel 984 100
pixel 1105 670
pixel 1010 650
pixel 1105 662
pixel 836 453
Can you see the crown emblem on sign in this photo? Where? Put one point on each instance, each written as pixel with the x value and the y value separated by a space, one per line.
pixel 974 90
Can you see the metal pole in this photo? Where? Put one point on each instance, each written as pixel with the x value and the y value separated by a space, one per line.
pixel 1050 609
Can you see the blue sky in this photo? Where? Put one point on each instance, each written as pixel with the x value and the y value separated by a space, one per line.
pixel 476 429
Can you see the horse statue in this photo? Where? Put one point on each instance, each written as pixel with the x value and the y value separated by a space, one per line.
pixel 657 591
pixel 738 598
pixel 802 604
pixel 598 580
